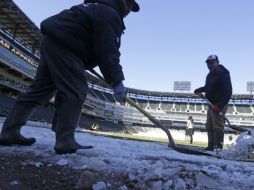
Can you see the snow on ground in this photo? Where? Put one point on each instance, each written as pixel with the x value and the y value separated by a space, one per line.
pixel 147 165
pixel 180 135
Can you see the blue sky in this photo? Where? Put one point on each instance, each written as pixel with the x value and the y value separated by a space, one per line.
pixel 169 40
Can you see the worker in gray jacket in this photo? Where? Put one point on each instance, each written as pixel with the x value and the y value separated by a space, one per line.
pixel 82 37
pixel 218 90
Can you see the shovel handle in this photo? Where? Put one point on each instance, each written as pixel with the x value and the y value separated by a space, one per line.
pixel 153 120
pixel 149 116
pixel 224 117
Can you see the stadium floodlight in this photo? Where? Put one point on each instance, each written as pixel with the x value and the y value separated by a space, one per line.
pixel 182 85
pixel 250 86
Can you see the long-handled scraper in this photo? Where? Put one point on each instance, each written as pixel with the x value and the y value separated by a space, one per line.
pixel 234 127
pixel 171 143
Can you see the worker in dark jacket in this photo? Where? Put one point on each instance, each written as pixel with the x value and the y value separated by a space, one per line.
pixel 218 91
pixel 82 37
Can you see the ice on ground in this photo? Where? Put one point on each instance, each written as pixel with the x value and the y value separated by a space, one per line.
pixel 144 165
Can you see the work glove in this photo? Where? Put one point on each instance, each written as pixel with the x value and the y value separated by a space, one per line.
pixel 216 109
pixel 119 92
pixel 199 90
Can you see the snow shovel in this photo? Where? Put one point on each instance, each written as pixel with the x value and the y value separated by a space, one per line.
pixel 171 143
pixel 234 127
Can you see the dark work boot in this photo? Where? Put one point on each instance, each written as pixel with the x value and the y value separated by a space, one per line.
pixel 210 134
pixel 67 120
pixel 219 139
pixel 72 149
pixel 10 134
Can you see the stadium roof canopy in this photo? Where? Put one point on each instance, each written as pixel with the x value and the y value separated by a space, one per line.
pixel 18 26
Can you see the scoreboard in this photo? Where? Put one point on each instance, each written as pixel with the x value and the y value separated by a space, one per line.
pixel 182 85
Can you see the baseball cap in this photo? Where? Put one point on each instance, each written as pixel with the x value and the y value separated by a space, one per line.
pixel 135 6
pixel 212 58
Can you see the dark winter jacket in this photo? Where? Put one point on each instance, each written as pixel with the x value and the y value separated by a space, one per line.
pixel 93 32
pixel 218 88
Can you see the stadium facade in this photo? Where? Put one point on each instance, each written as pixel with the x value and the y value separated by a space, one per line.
pixel 19 58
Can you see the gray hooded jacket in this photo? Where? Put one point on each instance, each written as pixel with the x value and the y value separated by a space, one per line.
pixel 93 32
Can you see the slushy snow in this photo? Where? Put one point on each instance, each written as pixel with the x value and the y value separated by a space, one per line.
pixel 147 165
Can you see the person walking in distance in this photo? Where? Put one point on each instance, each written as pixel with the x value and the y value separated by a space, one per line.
pixel 79 38
pixel 218 90
pixel 189 130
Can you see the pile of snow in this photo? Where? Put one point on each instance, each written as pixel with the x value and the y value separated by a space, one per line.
pixel 241 148
pixel 142 165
